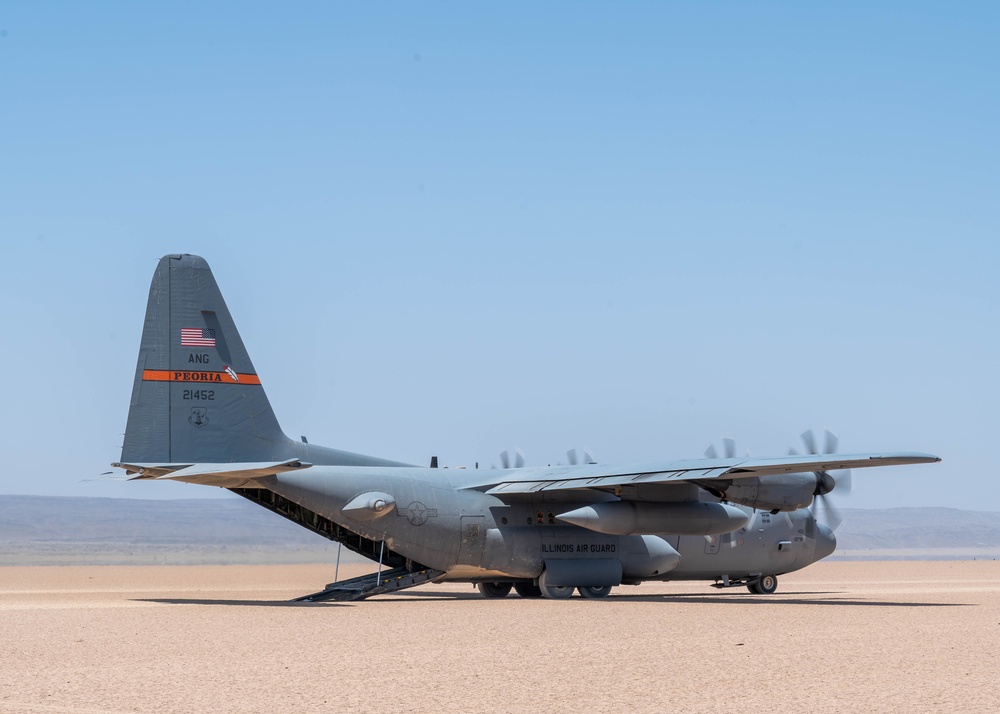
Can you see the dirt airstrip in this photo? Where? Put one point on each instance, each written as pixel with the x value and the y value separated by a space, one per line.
pixel 836 637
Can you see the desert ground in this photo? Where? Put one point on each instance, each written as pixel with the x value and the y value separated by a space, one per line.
pixel 836 637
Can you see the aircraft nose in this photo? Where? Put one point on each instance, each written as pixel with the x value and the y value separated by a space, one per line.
pixel 826 541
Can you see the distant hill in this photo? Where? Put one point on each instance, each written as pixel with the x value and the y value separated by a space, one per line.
pixel 39 530
pixel 918 532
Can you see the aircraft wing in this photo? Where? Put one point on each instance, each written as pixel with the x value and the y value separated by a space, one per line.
pixel 229 475
pixel 561 478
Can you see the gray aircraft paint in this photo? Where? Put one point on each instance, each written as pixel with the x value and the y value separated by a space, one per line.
pixel 194 404
pixel 199 414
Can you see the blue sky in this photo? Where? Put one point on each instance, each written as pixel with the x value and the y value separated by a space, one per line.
pixel 456 228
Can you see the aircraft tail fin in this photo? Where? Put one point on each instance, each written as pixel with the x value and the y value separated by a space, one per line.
pixel 196 396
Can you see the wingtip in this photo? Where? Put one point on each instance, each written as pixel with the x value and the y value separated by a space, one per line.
pixel 917 457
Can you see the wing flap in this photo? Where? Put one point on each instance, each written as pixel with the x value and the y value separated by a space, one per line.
pixel 610 481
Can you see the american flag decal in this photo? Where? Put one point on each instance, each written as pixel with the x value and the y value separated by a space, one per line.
pixel 197 337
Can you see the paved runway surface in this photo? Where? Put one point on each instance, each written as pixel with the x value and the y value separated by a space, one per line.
pixel 836 637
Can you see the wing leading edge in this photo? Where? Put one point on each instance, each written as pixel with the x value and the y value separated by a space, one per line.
pixel 525 481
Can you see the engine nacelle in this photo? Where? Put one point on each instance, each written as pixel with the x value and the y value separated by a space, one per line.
pixel 784 492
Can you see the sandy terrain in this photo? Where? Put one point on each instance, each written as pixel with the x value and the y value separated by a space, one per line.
pixel 864 636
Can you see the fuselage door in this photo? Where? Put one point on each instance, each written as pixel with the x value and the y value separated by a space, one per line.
pixel 473 540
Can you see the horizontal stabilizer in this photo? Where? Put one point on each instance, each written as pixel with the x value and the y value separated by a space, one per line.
pixel 228 475
pixel 149 470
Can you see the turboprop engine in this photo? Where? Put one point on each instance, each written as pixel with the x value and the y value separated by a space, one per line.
pixel 784 492
pixel 672 518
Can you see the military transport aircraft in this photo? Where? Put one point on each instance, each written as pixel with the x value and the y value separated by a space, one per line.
pixel 199 414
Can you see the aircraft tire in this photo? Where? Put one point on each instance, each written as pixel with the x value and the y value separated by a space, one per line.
pixel 494 590
pixel 554 592
pixel 594 591
pixel 527 589
pixel 765 584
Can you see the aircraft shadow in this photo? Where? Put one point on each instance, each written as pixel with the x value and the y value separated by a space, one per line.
pixel 434 597
pixel 831 599
pixel 246 603
pixel 787 599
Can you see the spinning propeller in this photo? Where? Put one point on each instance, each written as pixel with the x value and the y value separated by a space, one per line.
pixel 826 481
pixel 507 462
pixel 580 456
pixel 728 449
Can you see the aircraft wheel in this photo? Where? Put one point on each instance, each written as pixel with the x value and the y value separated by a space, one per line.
pixel 553 592
pixel 492 590
pixel 752 587
pixel 527 589
pixel 592 591
pixel 767 584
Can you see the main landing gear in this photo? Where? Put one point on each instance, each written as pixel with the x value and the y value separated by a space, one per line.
pixel 594 591
pixel 553 592
pixel 492 590
pixel 527 589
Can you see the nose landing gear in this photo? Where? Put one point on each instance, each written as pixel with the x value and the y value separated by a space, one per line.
pixel 757 584
pixel 764 585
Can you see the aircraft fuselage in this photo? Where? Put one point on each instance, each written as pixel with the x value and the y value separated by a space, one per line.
pixel 199 414
pixel 473 536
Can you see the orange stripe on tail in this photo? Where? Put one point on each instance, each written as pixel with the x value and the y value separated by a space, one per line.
pixel 172 375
